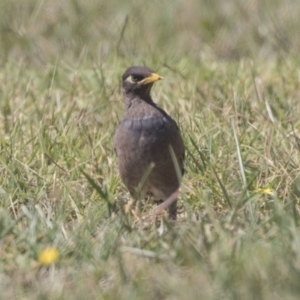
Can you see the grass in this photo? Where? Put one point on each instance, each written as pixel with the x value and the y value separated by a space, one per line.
pixel 231 81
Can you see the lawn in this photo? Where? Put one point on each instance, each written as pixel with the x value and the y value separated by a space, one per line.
pixel 232 83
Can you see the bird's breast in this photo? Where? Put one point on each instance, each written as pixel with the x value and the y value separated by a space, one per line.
pixel 146 126
pixel 143 136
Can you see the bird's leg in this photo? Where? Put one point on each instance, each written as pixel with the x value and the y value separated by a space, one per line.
pixel 173 210
pixel 143 203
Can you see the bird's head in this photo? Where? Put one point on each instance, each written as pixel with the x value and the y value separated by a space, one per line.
pixel 138 81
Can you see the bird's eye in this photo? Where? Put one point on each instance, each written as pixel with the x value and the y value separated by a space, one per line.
pixel 137 78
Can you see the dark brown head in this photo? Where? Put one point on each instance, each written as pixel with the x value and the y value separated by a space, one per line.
pixel 138 81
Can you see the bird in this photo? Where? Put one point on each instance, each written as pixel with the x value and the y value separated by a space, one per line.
pixel 148 140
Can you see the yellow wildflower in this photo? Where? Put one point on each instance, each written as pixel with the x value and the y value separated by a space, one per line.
pixel 265 191
pixel 48 256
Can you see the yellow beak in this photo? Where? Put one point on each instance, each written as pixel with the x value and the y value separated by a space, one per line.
pixel 152 78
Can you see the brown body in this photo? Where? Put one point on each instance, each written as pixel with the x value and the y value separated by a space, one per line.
pixel 145 137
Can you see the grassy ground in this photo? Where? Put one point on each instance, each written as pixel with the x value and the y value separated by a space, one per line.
pixel 231 80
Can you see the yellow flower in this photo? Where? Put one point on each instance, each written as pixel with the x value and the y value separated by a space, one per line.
pixel 265 191
pixel 48 256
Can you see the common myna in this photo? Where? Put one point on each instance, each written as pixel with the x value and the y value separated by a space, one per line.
pixel 147 136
